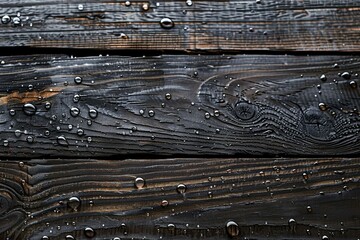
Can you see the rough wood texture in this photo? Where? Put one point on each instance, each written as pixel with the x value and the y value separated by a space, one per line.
pixel 261 195
pixel 291 25
pixel 179 105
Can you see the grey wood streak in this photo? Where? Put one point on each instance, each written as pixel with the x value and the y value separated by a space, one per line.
pixel 179 105
pixel 285 198
pixel 287 25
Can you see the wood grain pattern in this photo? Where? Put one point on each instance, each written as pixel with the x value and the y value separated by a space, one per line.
pixel 286 25
pixel 261 195
pixel 179 105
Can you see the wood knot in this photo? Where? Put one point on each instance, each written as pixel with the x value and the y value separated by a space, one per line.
pixel 245 111
pixel 318 124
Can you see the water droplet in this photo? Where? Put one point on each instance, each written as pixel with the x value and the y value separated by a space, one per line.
pixel 216 113
pixel 325 237
pixel 164 203
pixel 89 139
pixel 30 139
pixel 76 98
pixel 127 3
pixel 6 143
pixel 168 96
pixel 30 87
pixel 93 113
pixel 292 225
pixel 78 80
pixel 322 106
pixel 16 21
pixel 151 113
pixel 74 112
pixel 167 23
pixel 47 105
pixel 181 188
pixel 207 115
pixel 353 84
pixel 139 182
pixel 80 132
pixel 17 133
pixel 305 176
pixel 62 141
pixel 5 19
pixel 189 2
pixel 323 78
pixel 232 228
pixel 21 164
pixel 29 109
pixel 145 6
pixel 80 7
pixel 73 203
pixel 346 75
pixel 69 237
pixel 309 209
pixel 171 228
pixel 258 1
pixel 45 238
pixel 12 112
pixel 89 232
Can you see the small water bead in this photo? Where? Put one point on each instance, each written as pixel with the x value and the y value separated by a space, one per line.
pixel 80 7
pixel 80 132
pixel 323 78
pixel 151 113
pixel 78 80
pixel 353 84
pixel 6 143
pixel 127 3
pixel 171 228
pixel 167 23
pixel 181 188
pixel 207 115
pixel 258 1
pixel 164 203
pixel 31 87
pixel 145 6
pixel 5 19
pixel 62 141
pixel 69 237
pixel 17 133
pixel 93 113
pixel 12 112
pixel 30 139
pixel 232 228
pixel 74 111
pixel 346 75
pixel 322 106
pixel 89 139
pixel 189 2
pixel 76 98
pixel 168 96
pixel 47 105
pixel 309 209
pixel 216 113
pixel 45 238
pixel 292 225
pixel 325 237
pixel 73 203
pixel 139 182
pixel 16 21
pixel 29 109
pixel 89 232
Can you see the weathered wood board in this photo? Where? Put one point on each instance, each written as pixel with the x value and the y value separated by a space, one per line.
pixel 286 25
pixel 200 105
pixel 284 198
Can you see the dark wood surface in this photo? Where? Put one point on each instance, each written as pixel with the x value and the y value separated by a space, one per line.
pixel 278 105
pixel 286 25
pixel 283 198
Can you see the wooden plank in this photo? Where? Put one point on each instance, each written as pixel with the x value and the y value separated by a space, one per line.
pixel 291 25
pixel 175 105
pixel 262 195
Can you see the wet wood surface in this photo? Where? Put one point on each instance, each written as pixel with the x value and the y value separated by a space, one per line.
pixel 286 25
pixel 169 105
pixel 187 198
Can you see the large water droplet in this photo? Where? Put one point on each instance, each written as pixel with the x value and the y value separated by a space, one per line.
pixel 76 98
pixel 74 111
pixel 61 140
pixel 151 113
pixel 167 23
pixel 167 96
pixel 29 109
pixel 189 2
pixel 16 21
pixel 89 232
pixel 232 228
pixel 181 188
pixel 323 78
pixel 69 237
pixel 5 19
pixel 80 7
pixel 139 182
pixel 93 113
pixel 74 203
pixel 78 80
pixel 353 84
pixel 12 112
pixel 346 75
